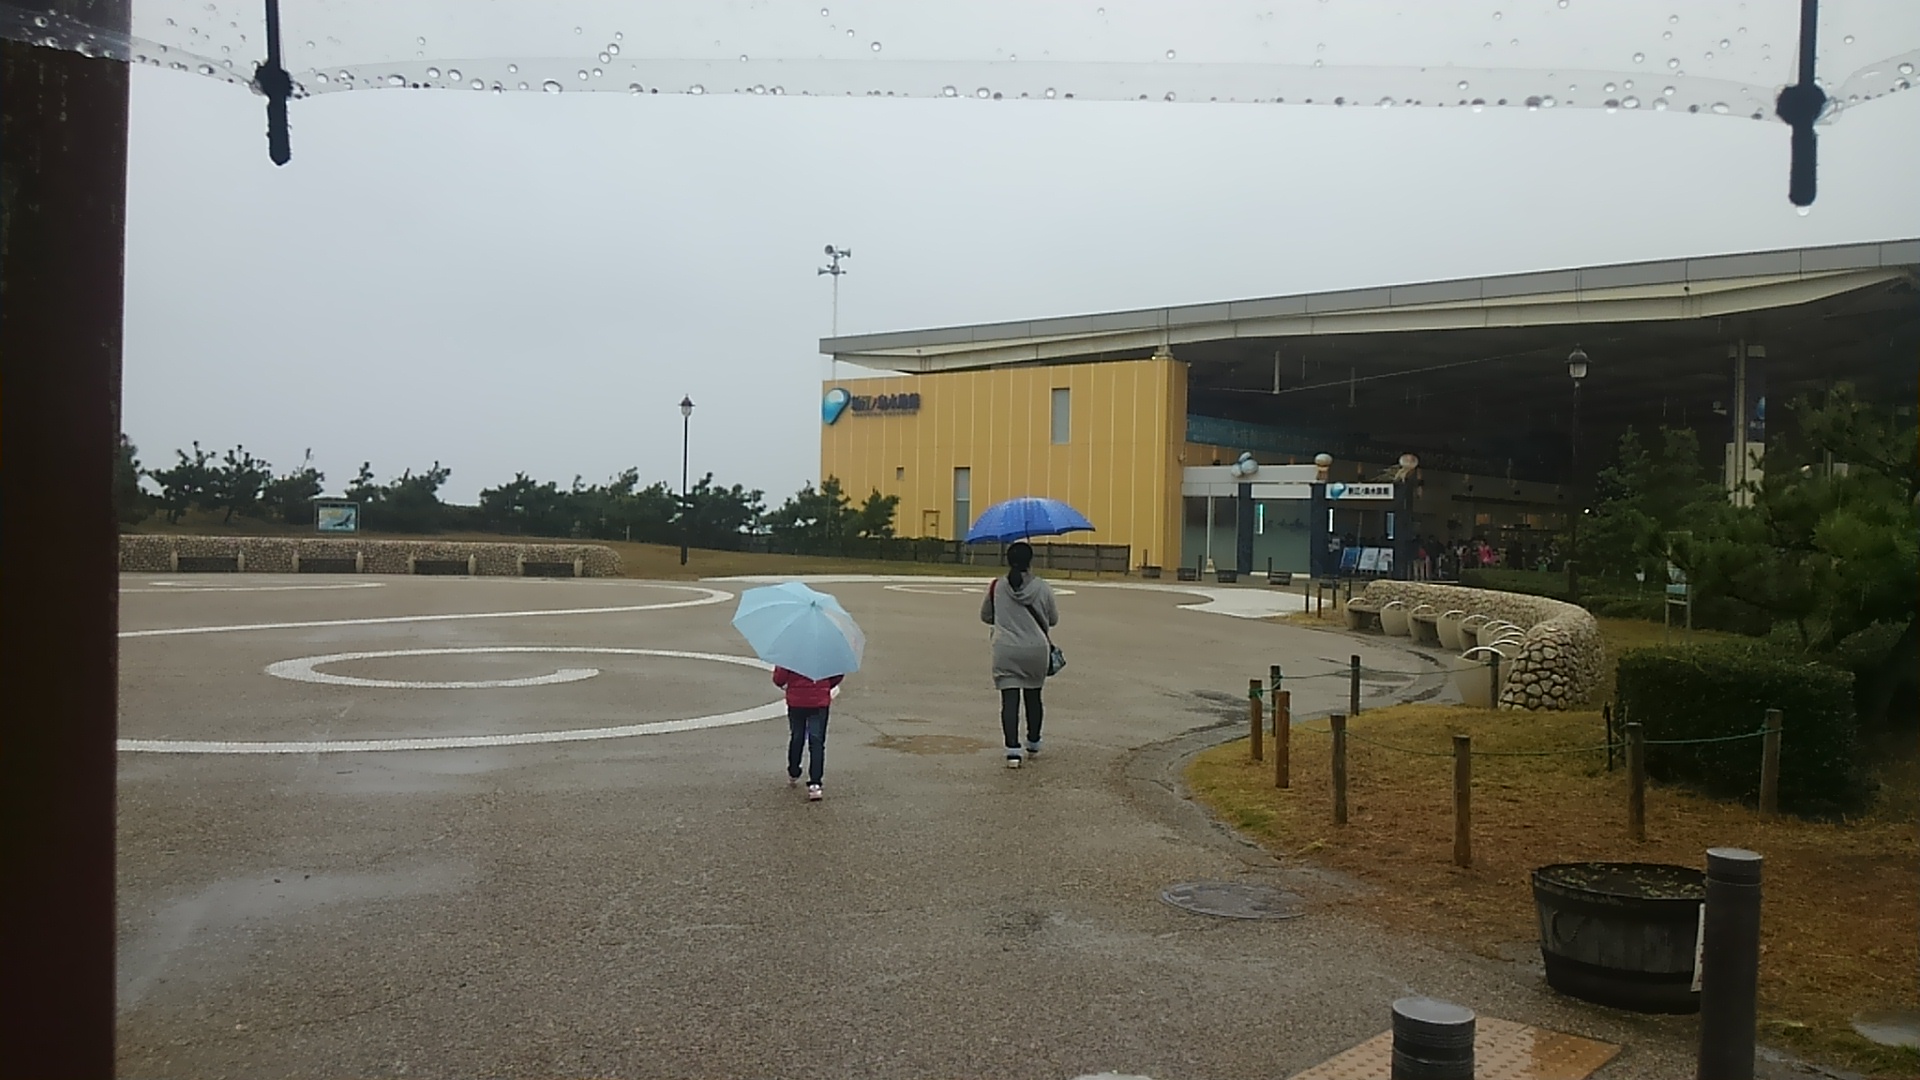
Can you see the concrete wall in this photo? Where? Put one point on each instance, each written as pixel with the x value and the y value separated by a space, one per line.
pixel 1561 658
pixel 160 554
pixel 1119 466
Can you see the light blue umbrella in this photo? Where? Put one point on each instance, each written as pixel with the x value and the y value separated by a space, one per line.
pixel 1028 516
pixel 800 629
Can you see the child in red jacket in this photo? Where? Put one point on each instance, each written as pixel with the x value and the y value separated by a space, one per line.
pixel 807 703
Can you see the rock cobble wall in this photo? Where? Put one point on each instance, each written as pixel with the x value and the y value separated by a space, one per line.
pixel 159 554
pixel 1561 658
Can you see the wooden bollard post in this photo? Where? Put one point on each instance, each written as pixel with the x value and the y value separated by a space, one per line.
pixel 1353 685
pixel 1770 765
pixel 1463 800
pixel 1339 723
pixel 1606 724
pixel 1283 738
pixel 1254 724
pixel 1493 678
pixel 1636 782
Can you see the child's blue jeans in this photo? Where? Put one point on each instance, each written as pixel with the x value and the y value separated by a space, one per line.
pixel 807 727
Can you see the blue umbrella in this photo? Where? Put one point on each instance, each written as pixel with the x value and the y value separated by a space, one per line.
pixel 1018 519
pixel 800 629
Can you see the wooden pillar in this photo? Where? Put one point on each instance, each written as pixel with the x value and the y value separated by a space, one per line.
pixel 63 167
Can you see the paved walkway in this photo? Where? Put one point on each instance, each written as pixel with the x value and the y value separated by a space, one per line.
pixel 641 905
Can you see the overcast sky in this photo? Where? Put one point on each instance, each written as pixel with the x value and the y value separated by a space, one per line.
pixel 530 282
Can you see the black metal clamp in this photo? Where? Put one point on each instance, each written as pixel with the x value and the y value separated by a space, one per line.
pixel 1800 105
pixel 273 82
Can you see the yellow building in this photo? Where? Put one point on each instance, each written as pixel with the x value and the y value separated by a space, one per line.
pixel 1104 437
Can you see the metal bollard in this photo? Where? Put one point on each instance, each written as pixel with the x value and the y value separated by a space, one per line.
pixel 1729 965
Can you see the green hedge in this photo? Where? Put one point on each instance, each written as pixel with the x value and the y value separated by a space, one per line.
pixel 1710 691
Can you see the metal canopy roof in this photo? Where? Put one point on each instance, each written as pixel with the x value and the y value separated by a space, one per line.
pixel 1709 287
pixel 1475 369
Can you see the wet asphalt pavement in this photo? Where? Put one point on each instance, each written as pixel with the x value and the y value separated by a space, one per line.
pixel 662 905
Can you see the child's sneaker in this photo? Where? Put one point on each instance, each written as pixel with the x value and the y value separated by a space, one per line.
pixel 1013 759
pixel 1033 747
pixel 813 793
pixel 793 781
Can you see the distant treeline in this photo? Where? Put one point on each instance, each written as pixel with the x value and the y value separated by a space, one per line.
pixel 236 484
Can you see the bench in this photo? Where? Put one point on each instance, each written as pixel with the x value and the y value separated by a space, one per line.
pixel 1279 577
pixel 1363 614
pixel 1424 625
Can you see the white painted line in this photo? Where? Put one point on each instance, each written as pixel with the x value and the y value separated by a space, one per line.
pixel 1247 603
pixel 955 590
pixel 712 596
pixel 181 588
pixel 474 742
pixel 302 670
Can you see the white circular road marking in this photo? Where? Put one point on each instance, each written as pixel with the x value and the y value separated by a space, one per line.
pixel 182 587
pixel 954 590
pixel 468 742
pixel 302 670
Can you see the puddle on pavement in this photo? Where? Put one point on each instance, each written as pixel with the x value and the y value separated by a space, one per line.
pixel 930 744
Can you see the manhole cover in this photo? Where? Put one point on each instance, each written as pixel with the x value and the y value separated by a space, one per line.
pixel 1233 900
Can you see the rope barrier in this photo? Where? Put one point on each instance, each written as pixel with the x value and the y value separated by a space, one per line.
pixel 1357 737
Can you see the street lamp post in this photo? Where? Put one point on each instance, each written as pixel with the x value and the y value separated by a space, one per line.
pixel 1577 371
pixel 834 269
pixel 686 427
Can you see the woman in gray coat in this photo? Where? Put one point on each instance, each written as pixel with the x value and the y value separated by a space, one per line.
pixel 1021 610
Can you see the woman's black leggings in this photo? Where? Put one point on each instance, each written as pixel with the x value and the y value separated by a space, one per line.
pixel 1010 715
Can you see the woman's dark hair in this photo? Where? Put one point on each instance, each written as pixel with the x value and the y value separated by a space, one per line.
pixel 1020 557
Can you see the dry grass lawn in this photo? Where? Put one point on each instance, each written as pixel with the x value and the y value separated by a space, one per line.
pixel 1841 901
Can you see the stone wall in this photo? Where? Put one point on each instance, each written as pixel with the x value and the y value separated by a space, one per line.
pixel 157 553
pixel 1561 658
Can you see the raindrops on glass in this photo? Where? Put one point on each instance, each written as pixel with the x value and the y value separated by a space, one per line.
pixel 1848 40
pixel 696 89
pixel 551 86
pixel 581 74
pixel 309 44
pixel 419 41
pixel 513 69
pixel 478 84
pixel 1496 16
pixel 875 46
pixel 1169 95
pixel 454 74
pixel 392 80
pixel 949 91
pixel 597 73
pixel 1725 44
pixel 633 88
pixel 1720 108
pixel 1639 58
pixel 613 50
pixel 1803 211
pixel 1050 91
pixel 576 29
pixel 823 13
pixel 849 32
pixel 1666 35
pixel 497 88
pixel 743 58
pixel 206 69
pixel 983 93
pixel 1709 56
pixel 1668 91
pixel 1609 88
pixel 1169 54
pixel 1906 69
pixel 1673 18
pixel 1463 84
pixel 320 76
pixel 1630 103
pixel 1563 3
pixel 1673 63
pixel 606 57
pixel 433 73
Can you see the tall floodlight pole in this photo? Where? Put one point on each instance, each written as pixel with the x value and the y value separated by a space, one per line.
pixel 1577 371
pixel 686 428
pixel 834 269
